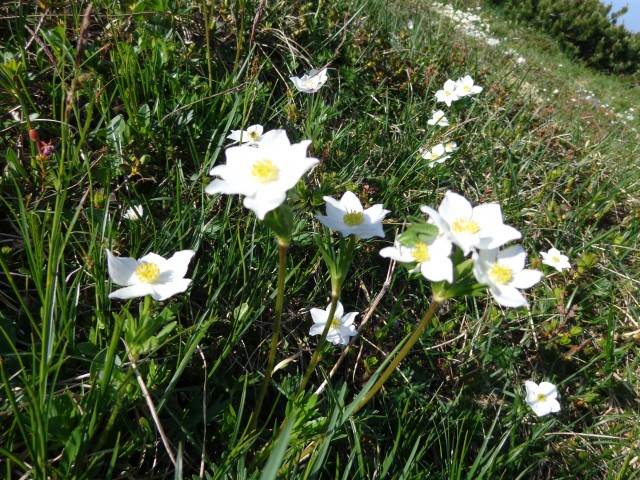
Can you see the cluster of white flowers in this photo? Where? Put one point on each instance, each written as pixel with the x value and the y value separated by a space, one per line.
pixel 455 90
pixel 466 22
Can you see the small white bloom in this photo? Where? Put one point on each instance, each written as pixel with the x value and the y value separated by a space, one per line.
pixel 504 273
pixel 311 82
pixel 542 398
pixel 438 118
pixel 465 86
pixel 263 174
pixel 435 155
pixel 431 259
pixel 410 25
pixel 448 93
pixel 133 213
pixel 470 227
pixel 151 275
pixel 348 217
pixel 250 136
pixel 492 42
pixel 341 324
pixel 450 146
pixel 555 259
pixel 520 60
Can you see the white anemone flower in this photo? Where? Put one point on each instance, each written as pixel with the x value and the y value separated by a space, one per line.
pixel 133 213
pixel 435 155
pixel 542 398
pixel 555 259
pixel 348 217
pixel 448 93
pixel 450 146
pixel 504 273
pixel 432 259
pixel 151 275
pixel 438 118
pixel 470 227
pixel 465 86
pixel 250 136
pixel 341 324
pixel 311 82
pixel 263 174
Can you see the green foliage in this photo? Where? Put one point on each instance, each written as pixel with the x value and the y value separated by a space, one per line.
pixel 138 101
pixel 585 30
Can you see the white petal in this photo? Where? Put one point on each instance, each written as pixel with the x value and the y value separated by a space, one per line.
pixel 162 291
pixel 179 263
pixel 133 291
pixel 513 257
pixel 121 269
pixel 316 329
pixel 398 254
pixel 351 202
pixel 548 389
pixel 348 319
pixel 508 296
pixel 319 316
pixel 339 310
pixel 438 269
pixel 526 278
pixel 454 206
pixel 376 213
pixel 263 204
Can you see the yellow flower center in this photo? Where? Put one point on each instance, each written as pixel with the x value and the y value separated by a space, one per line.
pixel 352 219
pixel 449 145
pixel 310 82
pixel 466 88
pixel 420 253
pixel 264 171
pixel 466 226
pixel 500 274
pixel 253 135
pixel 335 323
pixel 148 272
pixel 541 397
pixel 555 259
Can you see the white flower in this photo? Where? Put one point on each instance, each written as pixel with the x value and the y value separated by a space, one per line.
pixel 450 146
pixel 410 24
pixel 448 93
pixel 465 86
pixel 435 155
pixel 264 174
pixel 341 324
pixel 492 42
pixel 542 398
pixel 250 136
pixel 311 82
pixel 520 60
pixel 151 275
pixel 432 259
pixel 470 227
pixel 438 118
pixel 133 213
pixel 349 218
pixel 555 259
pixel 504 273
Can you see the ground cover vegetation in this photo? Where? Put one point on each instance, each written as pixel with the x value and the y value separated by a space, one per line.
pixel 207 209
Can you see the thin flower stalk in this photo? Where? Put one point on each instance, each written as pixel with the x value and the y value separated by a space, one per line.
pixel 424 323
pixel 275 337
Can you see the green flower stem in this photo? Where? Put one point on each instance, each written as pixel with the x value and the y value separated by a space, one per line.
pixel 335 295
pixel 401 354
pixel 275 337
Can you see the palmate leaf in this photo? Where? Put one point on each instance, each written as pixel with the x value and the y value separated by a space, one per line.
pixel 418 233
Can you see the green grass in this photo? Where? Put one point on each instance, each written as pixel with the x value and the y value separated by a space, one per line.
pixel 140 115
